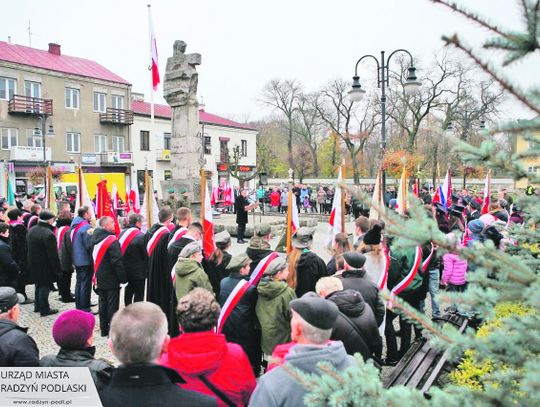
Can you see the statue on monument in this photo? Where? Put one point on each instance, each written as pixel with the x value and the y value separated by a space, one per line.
pixel 180 92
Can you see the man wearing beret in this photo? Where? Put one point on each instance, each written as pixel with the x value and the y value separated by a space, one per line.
pixel 16 347
pixel 259 244
pixel 43 261
pixel 311 327
pixel 189 272
pixel 242 326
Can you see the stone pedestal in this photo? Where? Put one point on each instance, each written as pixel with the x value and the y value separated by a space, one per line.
pixel 180 92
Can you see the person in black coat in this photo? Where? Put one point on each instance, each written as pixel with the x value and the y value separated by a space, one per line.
pixel 110 272
pixel 242 326
pixel 259 245
pixel 193 234
pixel 63 226
pixel 43 261
pixel 305 267
pixel 242 206
pixel 16 347
pixel 355 326
pixel 9 269
pixel 19 248
pixel 140 381
pixel 135 259
pixel 354 277
pixel 221 257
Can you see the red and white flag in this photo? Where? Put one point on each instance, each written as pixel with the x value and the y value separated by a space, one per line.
pixel 334 223
pixel 209 246
pixel 487 192
pixel 154 67
pixel 114 196
pixel 83 197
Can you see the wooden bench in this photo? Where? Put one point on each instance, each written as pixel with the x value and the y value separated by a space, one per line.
pixel 422 365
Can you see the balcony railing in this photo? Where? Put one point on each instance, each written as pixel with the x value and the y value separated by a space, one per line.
pixel 20 104
pixel 117 116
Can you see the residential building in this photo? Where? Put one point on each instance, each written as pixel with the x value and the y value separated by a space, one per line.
pixel 82 109
pixel 151 149
pixel 531 164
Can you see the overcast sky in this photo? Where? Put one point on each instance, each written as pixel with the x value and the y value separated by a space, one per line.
pixel 246 43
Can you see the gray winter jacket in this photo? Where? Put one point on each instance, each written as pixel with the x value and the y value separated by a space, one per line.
pixel 279 388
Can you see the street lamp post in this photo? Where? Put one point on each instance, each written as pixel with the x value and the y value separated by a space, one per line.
pixel 411 86
pixel 43 132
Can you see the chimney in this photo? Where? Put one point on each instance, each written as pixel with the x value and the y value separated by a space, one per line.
pixel 54 48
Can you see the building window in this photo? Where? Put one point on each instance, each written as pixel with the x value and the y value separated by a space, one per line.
pixel 100 143
pixel 118 144
pixel 145 140
pixel 167 141
pixel 33 139
pixel 223 150
pixel 117 102
pixel 7 88
pixel 9 138
pixel 243 148
pixel 32 89
pixel 167 174
pixel 530 169
pixel 207 145
pixel 100 102
pixel 73 142
pixel 72 98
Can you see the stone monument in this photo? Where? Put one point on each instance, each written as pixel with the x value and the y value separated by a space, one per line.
pixel 180 92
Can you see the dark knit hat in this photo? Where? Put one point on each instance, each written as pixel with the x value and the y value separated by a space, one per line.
pixel 315 310
pixel 72 329
pixel 46 215
pixel 354 259
pixel 373 235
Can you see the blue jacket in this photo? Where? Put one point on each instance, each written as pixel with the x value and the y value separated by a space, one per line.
pixel 81 245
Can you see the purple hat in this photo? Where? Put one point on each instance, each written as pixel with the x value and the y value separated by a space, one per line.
pixel 72 329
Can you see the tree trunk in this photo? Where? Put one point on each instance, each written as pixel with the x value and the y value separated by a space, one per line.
pixel 289 144
pixel 354 164
pixel 315 162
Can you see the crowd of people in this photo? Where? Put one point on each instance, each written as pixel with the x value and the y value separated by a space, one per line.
pixel 166 337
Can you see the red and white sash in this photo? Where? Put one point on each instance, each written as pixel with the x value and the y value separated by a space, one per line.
pixel 177 235
pixel 33 220
pixel 425 263
pixel 383 278
pixel 60 233
pixel 240 289
pixel 403 284
pixel 127 237
pixel 99 253
pixel 152 243
pixel 76 230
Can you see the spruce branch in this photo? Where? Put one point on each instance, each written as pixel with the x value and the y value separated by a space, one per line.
pixel 456 8
pixel 413 316
pixel 454 40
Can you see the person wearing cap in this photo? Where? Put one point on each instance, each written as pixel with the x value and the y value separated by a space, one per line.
pixel 242 207
pixel 189 271
pixel 43 261
pixel 171 200
pixel 259 244
pixel 17 349
pixel 473 210
pixel 109 273
pixel 441 216
pixel 194 234
pixel 272 309
pixel 355 325
pixel 19 248
pixel 311 325
pixel 73 332
pixel 371 247
pixel 242 326
pixel 221 257
pixel 353 277
pixel 305 267
pixel 455 218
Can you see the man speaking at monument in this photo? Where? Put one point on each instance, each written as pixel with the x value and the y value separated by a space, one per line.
pixel 242 206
